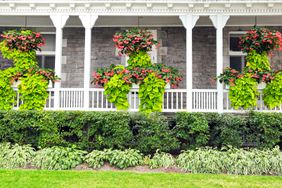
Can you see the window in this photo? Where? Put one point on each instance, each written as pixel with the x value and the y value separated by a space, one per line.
pixel 237 59
pixel 46 58
pixel 152 53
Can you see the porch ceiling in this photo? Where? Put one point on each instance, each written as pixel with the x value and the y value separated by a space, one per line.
pixel 129 21
pixel 141 7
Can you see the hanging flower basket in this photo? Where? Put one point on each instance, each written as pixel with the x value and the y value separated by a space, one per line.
pixel 23 40
pixel 133 41
pixel 261 40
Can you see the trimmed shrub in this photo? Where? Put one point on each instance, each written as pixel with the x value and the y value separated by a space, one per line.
pixel 191 130
pixel 152 133
pixel 264 130
pixel 226 129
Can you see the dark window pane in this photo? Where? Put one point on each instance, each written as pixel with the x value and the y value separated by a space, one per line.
pixel 39 60
pixel 234 43
pixel 236 63
pixel 49 62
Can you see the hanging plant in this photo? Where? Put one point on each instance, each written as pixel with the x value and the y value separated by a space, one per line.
pixel 7 94
pixel 256 61
pixel 140 59
pixel 244 93
pixel 134 40
pixel 32 92
pixel 20 47
pixel 261 40
pixel 117 89
pixel 272 94
pixel 151 93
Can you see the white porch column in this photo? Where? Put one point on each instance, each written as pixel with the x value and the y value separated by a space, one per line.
pixel 88 22
pixel 59 22
pixel 219 22
pixel 189 21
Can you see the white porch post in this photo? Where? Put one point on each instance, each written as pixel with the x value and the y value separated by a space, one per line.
pixel 88 22
pixel 189 21
pixel 59 22
pixel 219 22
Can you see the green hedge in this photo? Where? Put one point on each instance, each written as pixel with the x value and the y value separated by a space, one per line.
pixel 122 130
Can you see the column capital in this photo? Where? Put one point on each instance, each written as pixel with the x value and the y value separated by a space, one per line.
pixel 59 20
pixel 219 21
pixel 189 20
pixel 88 20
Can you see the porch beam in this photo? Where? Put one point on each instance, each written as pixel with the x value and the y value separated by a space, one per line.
pixel 189 22
pixel 219 21
pixel 59 22
pixel 88 22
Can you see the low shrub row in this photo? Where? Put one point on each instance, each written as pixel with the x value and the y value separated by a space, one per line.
pixel 121 130
pixel 205 160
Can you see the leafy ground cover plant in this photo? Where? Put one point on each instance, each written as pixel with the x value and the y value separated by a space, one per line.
pixel 15 156
pixel 161 159
pixel 58 158
pixel 232 161
pixel 118 158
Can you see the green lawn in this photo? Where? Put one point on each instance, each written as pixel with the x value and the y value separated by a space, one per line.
pixel 76 179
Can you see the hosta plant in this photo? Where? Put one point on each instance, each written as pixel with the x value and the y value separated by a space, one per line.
pixel 126 158
pixel 58 158
pixel 161 159
pixel 232 161
pixel 96 158
pixel 15 156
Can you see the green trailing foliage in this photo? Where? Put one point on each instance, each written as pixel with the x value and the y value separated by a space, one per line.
pixel 151 93
pixel 58 158
pixel 15 156
pixel 232 161
pixel 7 94
pixel 256 61
pixel 272 94
pixel 140 59
pixel 20 47
pixel 116 90
pixel 32 91
pixel 244 93
pixel 191 130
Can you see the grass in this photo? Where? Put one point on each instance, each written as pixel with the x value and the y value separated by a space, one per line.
pixel 76 179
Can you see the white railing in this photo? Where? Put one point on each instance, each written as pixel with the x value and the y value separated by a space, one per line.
pixel 260 105
pixel 174 100
pixel 49 102
pixel 204 100
pixel 71 98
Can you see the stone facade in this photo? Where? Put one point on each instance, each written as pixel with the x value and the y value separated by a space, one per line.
pixel 171 38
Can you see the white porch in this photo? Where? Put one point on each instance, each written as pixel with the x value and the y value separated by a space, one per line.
pixel 216 13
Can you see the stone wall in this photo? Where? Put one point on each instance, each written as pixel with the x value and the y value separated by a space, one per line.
pixel 172 39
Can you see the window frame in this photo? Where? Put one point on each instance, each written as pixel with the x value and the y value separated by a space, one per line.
pixel 236 53
pixel 42 53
